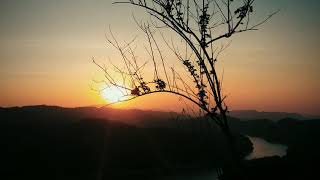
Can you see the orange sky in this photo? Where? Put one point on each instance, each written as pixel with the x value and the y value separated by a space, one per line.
pixel 46 49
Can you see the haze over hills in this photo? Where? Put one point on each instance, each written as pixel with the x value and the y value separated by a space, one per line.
pixel 275 116
pixel 134 116
pixel 129 116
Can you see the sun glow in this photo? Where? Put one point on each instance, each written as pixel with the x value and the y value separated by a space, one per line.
pixel 113 94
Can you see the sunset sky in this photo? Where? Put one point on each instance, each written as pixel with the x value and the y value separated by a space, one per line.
pixel 46 49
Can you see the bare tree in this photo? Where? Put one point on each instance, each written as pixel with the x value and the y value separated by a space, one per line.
pixel 200 25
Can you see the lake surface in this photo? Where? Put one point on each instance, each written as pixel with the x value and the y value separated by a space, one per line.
pixel 262 148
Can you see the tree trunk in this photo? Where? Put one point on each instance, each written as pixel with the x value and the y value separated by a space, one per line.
pixel 233 168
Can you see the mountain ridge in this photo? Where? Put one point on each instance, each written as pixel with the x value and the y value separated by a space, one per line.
pixel 126 114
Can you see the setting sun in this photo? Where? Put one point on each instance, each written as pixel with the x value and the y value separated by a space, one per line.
pixel 112 94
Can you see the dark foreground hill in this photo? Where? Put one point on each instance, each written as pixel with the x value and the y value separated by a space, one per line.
pixel 42 142
pixel 303 154
pixel 46 142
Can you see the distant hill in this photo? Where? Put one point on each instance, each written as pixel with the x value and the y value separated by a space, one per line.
pixel 129 116
pixel 274 116
pixel 137 116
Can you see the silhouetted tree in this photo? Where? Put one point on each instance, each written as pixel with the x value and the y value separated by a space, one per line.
pixel 200 24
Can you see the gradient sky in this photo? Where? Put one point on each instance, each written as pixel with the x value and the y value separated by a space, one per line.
pixel 46 48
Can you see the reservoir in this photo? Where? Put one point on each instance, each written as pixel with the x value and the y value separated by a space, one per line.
pixel 262 148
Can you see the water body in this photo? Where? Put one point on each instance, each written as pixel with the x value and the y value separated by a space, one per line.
pixel 262 148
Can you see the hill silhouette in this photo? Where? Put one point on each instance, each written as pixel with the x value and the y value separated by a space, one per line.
pixel 275 116
pixel 302 139
pixel 129 116
pixel 48 142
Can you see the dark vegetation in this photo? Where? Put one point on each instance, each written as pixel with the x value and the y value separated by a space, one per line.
pixel 301 137
pixel 43 142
